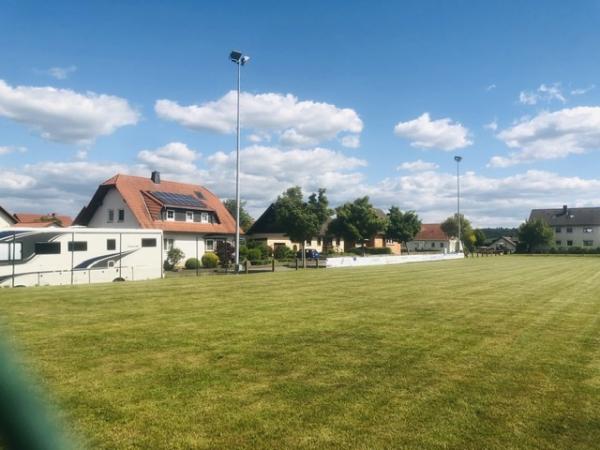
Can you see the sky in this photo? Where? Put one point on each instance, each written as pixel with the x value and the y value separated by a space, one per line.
pixel 359 97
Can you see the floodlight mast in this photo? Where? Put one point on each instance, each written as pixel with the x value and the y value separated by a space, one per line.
pixel 240 59
pixel 458 159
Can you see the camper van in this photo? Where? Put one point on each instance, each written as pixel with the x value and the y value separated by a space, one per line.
pixel 76 255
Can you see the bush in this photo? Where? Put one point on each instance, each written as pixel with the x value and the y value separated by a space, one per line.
pixel 167 265
pixel 192 263
pixel 174 256
pixel 283 252
pixel 210 260
pixel 254 254
pixel 225 253
pixel 265 250
pixel 371 251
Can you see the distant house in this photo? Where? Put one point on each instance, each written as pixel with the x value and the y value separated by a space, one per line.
pixel 432 238
pixel 34 220
pixel 192 218
pixel 267 230
pixel 504 244
pixel 6 219
pixel 573 227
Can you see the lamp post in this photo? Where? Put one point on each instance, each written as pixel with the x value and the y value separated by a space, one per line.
pixel 239 59
pixel 458 159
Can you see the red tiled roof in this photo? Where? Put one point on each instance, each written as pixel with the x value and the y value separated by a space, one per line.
pixel 431 232
pixel 146 208
pixel 27 219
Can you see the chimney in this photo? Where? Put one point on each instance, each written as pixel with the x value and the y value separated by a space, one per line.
pixel 155 177
pixel 565 210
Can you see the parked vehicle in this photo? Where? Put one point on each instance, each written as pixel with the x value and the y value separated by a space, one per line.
pixel 75 255
pixel 309 254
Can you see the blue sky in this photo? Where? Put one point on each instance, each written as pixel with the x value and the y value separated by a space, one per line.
pixel 364 98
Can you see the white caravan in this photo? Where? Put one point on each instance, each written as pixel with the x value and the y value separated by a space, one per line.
pixel 75 255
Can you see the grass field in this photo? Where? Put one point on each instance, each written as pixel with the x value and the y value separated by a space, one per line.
pixel 499 352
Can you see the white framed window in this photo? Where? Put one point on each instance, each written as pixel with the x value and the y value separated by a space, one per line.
pixel 389 241
pixel 121 215
pixel 170 215
pixel 189 216
pixel 169 244
pixel 558 229
pixel 558 243
pixel 588 230
pixel 569 229
pixel 588 243
pixel 210 245
pixel 111 215
pixel 204 217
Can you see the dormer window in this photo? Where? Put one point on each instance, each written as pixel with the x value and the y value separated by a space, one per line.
pixel 204 218
pixel 189 216
pixel 170 215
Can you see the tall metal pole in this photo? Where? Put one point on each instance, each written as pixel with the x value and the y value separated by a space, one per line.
pixel 237 176
pixel 458 159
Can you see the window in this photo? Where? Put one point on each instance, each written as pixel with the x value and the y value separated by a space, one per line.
pixel 441 245
pixel 189 216
pixel 588 230
pixel 337 241
pixel 121 216
pixel 569 243
pixel 389 241
pixel 111 215
pixel 47 248
pixel 111 244
pixel 6 251
pixel 432 244
pixel 77 246
pixel 318 241
pixel 170 214
pixel 558 243
pixel 558 229
pixel 168 244
pixel 588 243
pixel 147 242
pixel 204 217
pixel 210 245
pixel 569 229
pixel 309 242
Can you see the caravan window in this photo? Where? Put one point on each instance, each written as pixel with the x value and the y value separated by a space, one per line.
pixel 148 242
pixel 47 248
pixel 111 244
pixel 77 246
pixel 6 251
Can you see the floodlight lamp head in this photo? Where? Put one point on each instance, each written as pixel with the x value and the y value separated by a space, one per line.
pixel 244 59
pixel 458 158
pixel 235 56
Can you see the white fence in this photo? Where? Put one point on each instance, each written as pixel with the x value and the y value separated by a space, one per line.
pixel 356 261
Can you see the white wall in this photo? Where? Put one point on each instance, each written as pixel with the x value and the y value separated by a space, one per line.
pixel 186 242
pixel 113 200
pixel 4 220
pixel 356 261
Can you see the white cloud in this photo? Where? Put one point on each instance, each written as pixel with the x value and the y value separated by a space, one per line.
pixel 5 150
pixel 551 135
pixel 441 134
pixel 61 73
pixel 581 91
pixel 298 122
pixel 64 115
pixel 490 87
pixel 351 141
pixel 493 125
pixel 417 166
pixel 174 157
pixel 544 92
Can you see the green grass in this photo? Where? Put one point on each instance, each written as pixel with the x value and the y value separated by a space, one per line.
pixel 499 352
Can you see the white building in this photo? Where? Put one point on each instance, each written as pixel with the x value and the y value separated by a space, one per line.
pixel 573 227
pixel 6 219
pixel 192 218
pixel 432 238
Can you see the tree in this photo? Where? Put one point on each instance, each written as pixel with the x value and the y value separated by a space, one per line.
pixel 480 237
pixel 357 221
pixel 302 220
pixel 535 234
pixel 246 219
pixel 450 227
pixel 174 256
pixel 402 227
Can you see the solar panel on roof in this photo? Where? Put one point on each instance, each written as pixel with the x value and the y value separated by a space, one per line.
pixel 173 199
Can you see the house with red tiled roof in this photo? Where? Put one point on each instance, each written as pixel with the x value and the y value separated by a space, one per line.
pixel 432 238
pixel 6 219
pixel 34 220
pixel 192 218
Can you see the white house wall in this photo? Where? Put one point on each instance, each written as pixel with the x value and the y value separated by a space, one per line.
pixel 113 200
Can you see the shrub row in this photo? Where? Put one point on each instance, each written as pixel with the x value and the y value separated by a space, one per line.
pixel 371 251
